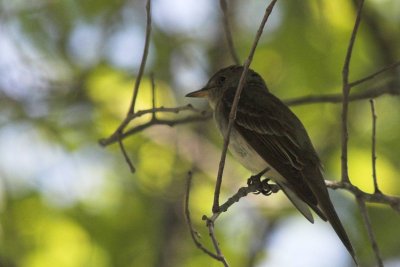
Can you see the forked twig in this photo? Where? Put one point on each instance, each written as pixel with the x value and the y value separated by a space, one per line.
pixel 155 121
pixel 193 233
pixel 392 201
pixel 211 233
pixel 117 135
pixel 258 187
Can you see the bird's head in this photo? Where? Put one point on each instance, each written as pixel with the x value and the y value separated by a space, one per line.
pixel 223 80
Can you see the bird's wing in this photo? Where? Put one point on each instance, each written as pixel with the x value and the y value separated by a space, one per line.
pixel 277 135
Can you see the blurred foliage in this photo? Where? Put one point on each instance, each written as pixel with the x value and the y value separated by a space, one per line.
pixel 67 70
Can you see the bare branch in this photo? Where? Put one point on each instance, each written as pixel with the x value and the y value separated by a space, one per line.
pixel 193 233
pixel 144 58
pixel 346 91
pixel 373 75
pixel 176 110
pixel 166 122
pixel 153 95
pixel 119 132
pixel 232 113
pixel 155 121
pixel 254 186
pixel 392 201
pixel 210 226
pixel 338 98
pixel 242 192
pixel 371 235
pixel 228 33
pixel 127 159
pixel 374 147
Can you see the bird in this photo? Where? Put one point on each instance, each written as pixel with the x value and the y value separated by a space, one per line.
pixel 266 134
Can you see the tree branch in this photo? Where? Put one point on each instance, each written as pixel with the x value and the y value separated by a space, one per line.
pixel 228 33
pixel 232 113
pixel 153 96
pixel 373 75
pixel 155 121
pixel 193 233
pixel 144 58
pixel 338 98
pixel 211 233
pixel 392 201
pixel 376 187
pixel 346 91
pixel 126 157
pixel 371 235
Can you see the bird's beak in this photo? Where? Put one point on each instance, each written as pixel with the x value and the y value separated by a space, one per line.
pixel 203 92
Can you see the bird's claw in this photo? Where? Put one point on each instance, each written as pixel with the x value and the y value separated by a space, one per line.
pixel 262 186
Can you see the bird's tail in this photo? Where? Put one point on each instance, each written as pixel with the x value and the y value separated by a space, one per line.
pixel 325 205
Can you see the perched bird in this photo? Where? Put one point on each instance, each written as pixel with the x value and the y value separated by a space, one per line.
pixel 266 133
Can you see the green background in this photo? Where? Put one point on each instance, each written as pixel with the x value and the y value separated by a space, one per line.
pixel 67 70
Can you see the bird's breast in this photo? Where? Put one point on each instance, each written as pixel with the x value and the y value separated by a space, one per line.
pixel 239 147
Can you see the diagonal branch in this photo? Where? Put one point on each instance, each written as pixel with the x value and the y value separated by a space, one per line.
pixel 211 233
pixel 126 157
pixel 373 75
pixel 371 235
pixel 232 113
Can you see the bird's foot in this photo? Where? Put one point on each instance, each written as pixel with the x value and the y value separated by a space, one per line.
pixel 262 186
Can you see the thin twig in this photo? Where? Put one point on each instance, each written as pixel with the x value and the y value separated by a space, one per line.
pixel 373 75
pixel 205 115
pixel 338 98
pixel 126 157
pixel 371 101
pixel 119 131
pixel 211 233
pixel 153 95
pixel 392 201
pixel 346 91
pixel 144 58
pixel 193 233
pixel 232 113
pixel 228 33
pixel 177 109
pixel 114 138
pixel 242 192
pixel 371 235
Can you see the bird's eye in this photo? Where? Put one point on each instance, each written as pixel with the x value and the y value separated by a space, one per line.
pixel 221 80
